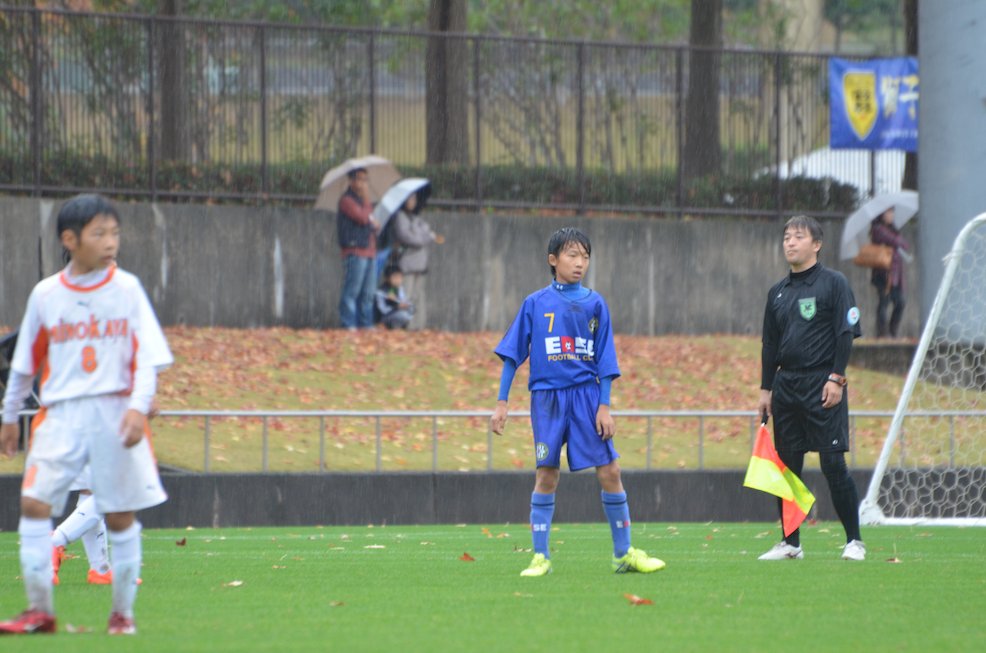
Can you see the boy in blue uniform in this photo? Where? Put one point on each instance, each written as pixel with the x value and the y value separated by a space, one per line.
pixel 566 331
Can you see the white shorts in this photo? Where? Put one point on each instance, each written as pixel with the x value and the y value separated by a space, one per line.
pixel 73 435
pixel 83 481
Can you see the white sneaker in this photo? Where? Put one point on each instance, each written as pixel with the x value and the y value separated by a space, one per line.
pixel 783 551
pixel 855 550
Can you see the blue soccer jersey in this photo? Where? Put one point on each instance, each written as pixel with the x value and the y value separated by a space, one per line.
pixel 569 342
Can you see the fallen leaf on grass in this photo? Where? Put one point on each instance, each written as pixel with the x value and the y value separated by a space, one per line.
pixel 233 583
pixel 336 604
pixel 467 558
pixel 524 596
pixel 181 542
pixel 894 560
pixel 73 629
pixel 487 532
pixel 637 600
pixel 375 546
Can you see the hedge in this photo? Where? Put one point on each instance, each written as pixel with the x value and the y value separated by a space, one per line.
pixel 501 183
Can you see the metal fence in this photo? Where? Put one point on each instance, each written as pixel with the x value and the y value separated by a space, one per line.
pixel 188 109
pixel 258 441
pixel 643 433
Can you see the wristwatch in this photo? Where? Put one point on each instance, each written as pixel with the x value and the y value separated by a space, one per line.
pixel 838 378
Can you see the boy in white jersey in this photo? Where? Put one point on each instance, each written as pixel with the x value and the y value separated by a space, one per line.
pixel 92 335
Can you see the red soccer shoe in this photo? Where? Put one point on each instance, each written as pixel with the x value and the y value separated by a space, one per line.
pixel 29 622
pixel 120 625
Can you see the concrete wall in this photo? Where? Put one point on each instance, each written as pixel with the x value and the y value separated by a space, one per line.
pixel 449 498
pixel 248 267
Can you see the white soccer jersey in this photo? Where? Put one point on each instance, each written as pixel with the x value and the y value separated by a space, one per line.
pixel 89 341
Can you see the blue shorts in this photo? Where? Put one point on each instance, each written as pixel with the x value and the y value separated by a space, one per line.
pixel 568 416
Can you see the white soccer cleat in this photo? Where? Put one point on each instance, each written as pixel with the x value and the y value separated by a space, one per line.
pixel 783 551
pixel 855 550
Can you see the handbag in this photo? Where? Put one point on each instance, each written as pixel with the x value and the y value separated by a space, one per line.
pixel 872 255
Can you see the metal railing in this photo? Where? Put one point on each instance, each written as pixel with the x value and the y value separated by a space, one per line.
pixel 180 108
pixel 702 417
pixel 700 441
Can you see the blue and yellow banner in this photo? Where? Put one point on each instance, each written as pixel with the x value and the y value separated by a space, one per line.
pixel 873 105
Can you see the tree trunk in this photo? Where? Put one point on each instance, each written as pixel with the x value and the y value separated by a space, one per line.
pixel 702 147
pixel 170 50
pixel 911 48
pixel 446 86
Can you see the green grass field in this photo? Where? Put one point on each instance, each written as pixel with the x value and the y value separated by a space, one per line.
pixel 408 588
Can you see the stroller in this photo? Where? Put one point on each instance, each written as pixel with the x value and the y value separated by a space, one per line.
pixel 7 344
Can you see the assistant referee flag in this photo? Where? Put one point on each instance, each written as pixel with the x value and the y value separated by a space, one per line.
pixel 768 473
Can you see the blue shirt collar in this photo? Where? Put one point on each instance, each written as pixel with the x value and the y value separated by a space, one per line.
pixel 565 287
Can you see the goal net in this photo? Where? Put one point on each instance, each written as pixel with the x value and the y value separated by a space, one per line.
pixel 932 468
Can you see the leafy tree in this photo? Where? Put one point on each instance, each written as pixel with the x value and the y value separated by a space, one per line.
pixel 911 48
pixel 860 16
pixel 446 92
pixel 703 150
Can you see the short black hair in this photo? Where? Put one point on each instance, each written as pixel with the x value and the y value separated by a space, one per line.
pixel 355 171
pixel 79 211
pixel 805 222
pixel 564 236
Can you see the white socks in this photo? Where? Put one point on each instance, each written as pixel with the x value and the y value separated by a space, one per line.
pixel 85 523
pixel 94 540
pixel 126 568
pixel 36 551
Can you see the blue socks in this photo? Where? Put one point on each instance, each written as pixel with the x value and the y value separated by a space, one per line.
pixel 618 514
pixel 542 510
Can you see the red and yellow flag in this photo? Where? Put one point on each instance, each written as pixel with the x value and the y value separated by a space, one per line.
pixel 769 474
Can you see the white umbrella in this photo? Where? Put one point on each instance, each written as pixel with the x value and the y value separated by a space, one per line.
pixel 380 175
pixel 856 231
pixel 397 194
pixel 849 167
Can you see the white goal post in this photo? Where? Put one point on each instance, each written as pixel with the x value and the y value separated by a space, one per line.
pixel 932 469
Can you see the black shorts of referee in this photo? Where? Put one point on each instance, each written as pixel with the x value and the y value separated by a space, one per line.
pixel 800 422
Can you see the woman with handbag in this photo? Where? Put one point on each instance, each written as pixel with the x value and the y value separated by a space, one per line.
pixel 889 282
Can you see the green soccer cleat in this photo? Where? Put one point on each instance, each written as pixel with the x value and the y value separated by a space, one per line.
pixel 637 560
pixel 540 566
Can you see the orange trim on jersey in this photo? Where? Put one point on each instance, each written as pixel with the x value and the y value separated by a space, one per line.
pixel 133 361
pixel 147 436
pixel 29 475
pixel 39 349
pixel 71 286
pixel 39 357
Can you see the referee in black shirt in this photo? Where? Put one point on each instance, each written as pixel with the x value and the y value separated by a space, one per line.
pixel 809 324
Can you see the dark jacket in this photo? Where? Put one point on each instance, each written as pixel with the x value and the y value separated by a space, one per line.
pixel 353 225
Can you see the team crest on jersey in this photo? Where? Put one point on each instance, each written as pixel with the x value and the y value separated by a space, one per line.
pixel 807 307
pixel 852 317
pixel 593 325
pixel 541 451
